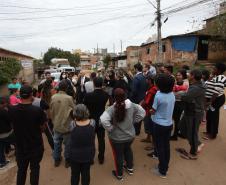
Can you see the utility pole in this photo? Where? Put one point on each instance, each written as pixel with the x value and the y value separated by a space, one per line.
pixel 159 27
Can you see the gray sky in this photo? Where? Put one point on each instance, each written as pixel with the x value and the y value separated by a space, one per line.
pixel 32 26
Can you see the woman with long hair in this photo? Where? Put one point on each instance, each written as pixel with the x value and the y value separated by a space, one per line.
pixel 118 120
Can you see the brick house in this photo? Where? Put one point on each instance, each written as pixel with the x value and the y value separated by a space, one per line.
pixel 187 48
pixel 27 72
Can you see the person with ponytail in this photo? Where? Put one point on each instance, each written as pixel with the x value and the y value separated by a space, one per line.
pixel 118 120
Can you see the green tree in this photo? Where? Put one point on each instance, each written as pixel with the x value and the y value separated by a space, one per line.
pixel 53 52
pixel 9 69
pixel 107 60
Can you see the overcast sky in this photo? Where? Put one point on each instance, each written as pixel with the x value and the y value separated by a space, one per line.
pixel 32 26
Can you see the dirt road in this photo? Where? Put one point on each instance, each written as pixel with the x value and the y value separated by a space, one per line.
pixel 209 169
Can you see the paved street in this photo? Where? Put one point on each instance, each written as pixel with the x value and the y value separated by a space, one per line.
pixel 209 169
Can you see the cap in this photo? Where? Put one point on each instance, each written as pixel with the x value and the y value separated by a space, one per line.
pixel 25 91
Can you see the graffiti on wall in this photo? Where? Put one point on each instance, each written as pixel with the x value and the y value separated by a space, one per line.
pixel 217 46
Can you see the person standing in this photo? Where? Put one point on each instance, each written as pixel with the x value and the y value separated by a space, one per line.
pixel 194 100
pixel 217 101
pixel 162 110
pixel 61 113
pixel 118 122
pixel 28 122
pixel 82 146
pixel 96 103
pixel 139 89
pixel 147 105
pixel 81 91
pixel 14 85
pixel 39 102
pixel 89 86
pixel 13 99
pixel 6 131
pixel 152 69
pixel 180 88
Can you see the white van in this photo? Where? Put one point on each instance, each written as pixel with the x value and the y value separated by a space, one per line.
pixel 67 69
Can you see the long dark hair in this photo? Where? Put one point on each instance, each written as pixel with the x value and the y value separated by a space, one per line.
pixel 120 106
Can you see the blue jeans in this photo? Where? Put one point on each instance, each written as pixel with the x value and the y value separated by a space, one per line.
pixel 59 139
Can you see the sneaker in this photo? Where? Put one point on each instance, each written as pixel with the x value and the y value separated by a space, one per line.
pixel 152 155
pixel 128 170
pixel 156 172
pixel 4 165
pixel 120 178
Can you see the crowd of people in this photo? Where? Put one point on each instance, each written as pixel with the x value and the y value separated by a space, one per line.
pixel 78 108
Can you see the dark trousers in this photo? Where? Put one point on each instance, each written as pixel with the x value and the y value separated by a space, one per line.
pixel 162 144
pixel 76 170
pixel 212 117
pixel 23 161
pixel 122 152
pixel 137 127
pixel 101 142
pixel 178 109
pixel 4 143
pixel 49 134
pixel 192 124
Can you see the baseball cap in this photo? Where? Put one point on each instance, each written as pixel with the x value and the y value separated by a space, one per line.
pixel 25 91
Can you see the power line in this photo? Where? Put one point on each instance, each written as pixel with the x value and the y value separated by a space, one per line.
pixel 74 27
pixel 187 6
pixel 68 15
pixel 70 9
pixel 59 9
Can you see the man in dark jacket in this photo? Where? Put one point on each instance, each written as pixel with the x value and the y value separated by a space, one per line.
pixel 96 103
pixel 28 122
pixel 81 91
pixel 193 112
pixel 138 90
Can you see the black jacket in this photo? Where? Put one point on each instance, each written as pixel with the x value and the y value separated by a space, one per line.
pixel 194 99
pixel 96 102
pixel 5 123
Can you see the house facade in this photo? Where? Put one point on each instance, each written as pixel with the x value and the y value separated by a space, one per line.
pixel 27 72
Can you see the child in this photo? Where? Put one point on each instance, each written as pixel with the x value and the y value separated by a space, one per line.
pixel 162 110
pixel 82 146
pixel 193 112
pixel 147 104
pixel 13 99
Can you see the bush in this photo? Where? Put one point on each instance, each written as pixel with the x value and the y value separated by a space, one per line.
pixel 8 69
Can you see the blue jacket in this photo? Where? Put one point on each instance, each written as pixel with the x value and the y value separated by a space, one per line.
pixel 139 88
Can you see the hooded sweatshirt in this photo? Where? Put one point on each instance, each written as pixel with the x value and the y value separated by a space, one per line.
pixel 122 131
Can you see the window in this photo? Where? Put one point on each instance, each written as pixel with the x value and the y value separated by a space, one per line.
pixel 148 50
pixel 163 48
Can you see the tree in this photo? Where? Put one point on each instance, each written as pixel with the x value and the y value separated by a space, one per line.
pixel 8 69
pixel 52 52
pixel 106 61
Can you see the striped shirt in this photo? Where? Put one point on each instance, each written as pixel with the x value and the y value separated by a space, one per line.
pixel 220 84
pixel 210 89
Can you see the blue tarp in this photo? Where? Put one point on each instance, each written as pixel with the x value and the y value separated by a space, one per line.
pixel 184 43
